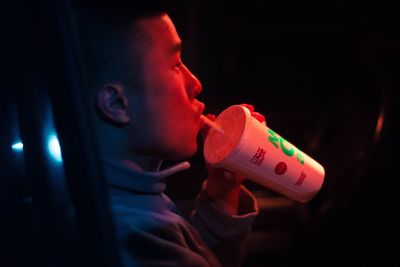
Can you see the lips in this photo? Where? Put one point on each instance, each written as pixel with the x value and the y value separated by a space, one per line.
pixel 199 113
pixel 202 107
pixel 202 123
pixel 199 108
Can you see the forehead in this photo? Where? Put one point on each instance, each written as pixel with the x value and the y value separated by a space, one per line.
pixel 160 31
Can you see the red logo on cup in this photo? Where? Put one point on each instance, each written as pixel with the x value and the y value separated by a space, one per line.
pixel 280 168
pixel 301 178
pixel 258 157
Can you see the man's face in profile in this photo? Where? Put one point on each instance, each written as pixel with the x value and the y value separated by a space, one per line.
pixel 166 113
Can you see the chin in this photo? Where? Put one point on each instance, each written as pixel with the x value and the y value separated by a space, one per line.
pixel 185 152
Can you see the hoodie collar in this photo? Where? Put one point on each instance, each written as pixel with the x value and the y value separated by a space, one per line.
pixel 128 175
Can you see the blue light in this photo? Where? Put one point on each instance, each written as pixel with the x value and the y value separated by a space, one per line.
pixel 54 148
pixel 18 147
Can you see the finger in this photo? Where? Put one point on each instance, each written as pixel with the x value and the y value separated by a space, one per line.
pixel 258 116
pixel 236 178
pixel 250 107
pixel 228 175
pixel 211 117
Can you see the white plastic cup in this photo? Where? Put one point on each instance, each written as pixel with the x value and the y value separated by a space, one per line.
pixel 252 149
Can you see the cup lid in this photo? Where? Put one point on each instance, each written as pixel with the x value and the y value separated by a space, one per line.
pixel 218 146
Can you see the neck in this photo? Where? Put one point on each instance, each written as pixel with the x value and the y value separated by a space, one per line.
pixel 137 161
pixel 116 147
pixel 143 162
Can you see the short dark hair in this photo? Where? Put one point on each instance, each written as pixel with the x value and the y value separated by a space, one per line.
pixel 105 28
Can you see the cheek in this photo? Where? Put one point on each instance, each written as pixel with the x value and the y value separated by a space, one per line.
pixel 168 91
pixel 180 127
pixel 170 108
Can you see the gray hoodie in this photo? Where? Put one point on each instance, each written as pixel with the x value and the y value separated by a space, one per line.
pixel 152 232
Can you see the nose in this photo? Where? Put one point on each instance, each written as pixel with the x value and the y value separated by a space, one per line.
pixel 193 85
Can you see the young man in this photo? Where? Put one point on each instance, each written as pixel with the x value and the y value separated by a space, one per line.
pixel 147 111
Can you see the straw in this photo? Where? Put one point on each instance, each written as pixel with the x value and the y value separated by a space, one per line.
pixel 212 124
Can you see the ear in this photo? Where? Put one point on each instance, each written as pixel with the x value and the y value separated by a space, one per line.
pixel 112 104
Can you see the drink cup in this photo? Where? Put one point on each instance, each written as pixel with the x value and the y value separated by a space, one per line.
pixel 250 148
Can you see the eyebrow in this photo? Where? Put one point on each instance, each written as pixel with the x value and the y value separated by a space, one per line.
pixel 176 47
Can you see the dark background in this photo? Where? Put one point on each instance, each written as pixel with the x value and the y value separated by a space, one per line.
pixel 324 74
